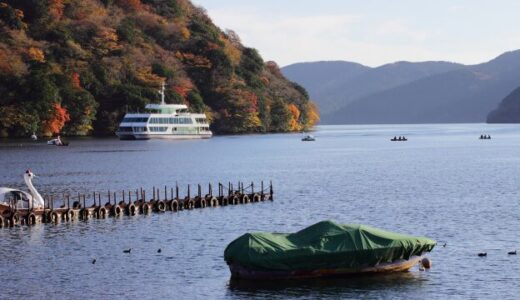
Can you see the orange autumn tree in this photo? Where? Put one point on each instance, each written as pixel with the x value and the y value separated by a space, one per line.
pixel 56 8
pixel 59 116
pixel 36 54
pixel 74 78
pixel 313 116
pixel 295 117
pixel 132 5
pixel 183 86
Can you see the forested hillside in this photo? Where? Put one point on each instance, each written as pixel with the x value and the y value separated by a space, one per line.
pixel 76 66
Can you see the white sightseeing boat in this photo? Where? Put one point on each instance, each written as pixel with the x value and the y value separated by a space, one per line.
pixel 164 121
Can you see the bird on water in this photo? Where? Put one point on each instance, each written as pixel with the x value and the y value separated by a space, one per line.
pixel 482 254
pixel 159 251
pixel 512 252
pixel 127 251
pixel 94 261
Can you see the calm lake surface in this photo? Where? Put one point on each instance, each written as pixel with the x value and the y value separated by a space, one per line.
pixel 444 183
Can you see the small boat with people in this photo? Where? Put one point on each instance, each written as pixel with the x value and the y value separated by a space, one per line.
pixel 485 137
pixel 308 138
pixel 399 139
pixel 325 249
pixel 57 142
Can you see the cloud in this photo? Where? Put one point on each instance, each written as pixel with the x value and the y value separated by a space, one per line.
pixel 399 30
pixel 369 37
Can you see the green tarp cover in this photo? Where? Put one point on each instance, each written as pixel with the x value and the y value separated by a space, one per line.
pixel 325 245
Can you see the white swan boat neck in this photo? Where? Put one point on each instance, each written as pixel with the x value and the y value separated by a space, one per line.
pixel 164 121
pixel 17 199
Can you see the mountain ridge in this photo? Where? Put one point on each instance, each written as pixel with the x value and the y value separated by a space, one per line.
pixel 450 92
pixel 339 93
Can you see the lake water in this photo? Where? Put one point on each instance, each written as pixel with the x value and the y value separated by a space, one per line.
pixel 443 183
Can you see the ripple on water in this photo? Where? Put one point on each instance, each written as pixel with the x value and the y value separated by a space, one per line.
pixel 442 184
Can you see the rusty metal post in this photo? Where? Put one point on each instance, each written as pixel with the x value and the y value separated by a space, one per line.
pixel 165 193
pixel 189 192
pixel 176 191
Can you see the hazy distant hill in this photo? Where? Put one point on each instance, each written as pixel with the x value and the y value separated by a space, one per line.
pixel 403 92
pixel 508 110
pixel 464 95
pixel 336 84
pixel 320 78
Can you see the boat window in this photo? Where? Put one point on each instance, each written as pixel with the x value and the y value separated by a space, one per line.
pixel 158 129
pixel 125 129
pixel 159 120
pixel 14 197
pixel 135 120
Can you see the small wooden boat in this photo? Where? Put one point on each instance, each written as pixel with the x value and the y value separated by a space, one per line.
pixel 325 249
pixel 57 142
pixel 308 138
pixel 400 139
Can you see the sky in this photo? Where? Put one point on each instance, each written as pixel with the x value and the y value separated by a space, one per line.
pixel 372 32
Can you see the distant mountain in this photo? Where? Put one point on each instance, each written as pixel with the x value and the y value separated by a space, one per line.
pixel 320 78
pixel 464 95
pixel 334 85
pixel 508 111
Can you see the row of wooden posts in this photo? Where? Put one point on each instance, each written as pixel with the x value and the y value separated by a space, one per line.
pixel 132 203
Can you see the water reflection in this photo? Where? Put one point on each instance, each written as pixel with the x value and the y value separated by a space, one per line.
pixel 330 287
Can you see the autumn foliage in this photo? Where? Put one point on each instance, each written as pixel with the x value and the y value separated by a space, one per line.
pixel 76 67
pixel 133 5
pixel 56 8
pixel 36 54
pixel 58 117
pixel 76 83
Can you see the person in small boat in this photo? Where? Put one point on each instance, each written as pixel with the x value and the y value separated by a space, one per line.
pixel 400 138
pixel 488 137
pixel 395 138
pixel 58 141
pixel 481 136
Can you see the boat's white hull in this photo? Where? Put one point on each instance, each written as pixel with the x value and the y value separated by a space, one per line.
pixel 136 136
